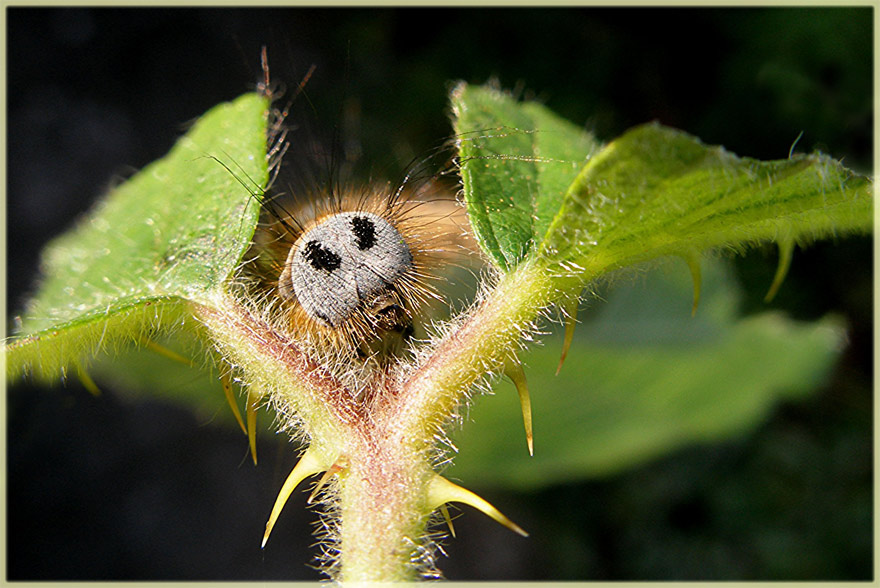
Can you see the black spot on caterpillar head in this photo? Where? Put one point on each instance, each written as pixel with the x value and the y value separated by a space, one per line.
pixel 321 258
pixel 364 232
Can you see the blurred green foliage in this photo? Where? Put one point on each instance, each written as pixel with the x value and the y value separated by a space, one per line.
pixel 644 378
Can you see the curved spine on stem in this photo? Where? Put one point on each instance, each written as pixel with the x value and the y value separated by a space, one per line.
pixel 226 382
pixel 570 311
pixel 448 519
pixel 786 250
pixel 309 464
pixel 165 352
pixel 252 404
pixel 513 369
pixel 441 491
pixel 277 369
pixel 694 265
pixel 338 466
pixel 481 344
pixel 87 381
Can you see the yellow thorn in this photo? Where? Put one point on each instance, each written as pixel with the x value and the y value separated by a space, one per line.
pixel 513 369
pixel 165 352
pixel 252 401
pixel 87 381
pixel 337 467
pixel 570 310
pixel 786 248
pixel 441 491
pixel 448 518
pixel 226 382
pixel 693 261
pixel 307 465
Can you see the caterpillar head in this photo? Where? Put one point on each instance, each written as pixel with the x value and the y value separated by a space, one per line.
pixel 354 274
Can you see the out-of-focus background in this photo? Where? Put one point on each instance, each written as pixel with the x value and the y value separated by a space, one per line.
pixel 127 487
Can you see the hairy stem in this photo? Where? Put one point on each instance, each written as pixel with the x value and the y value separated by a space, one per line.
pixel 275 367
pixel 381 449
pixel 383 514
pixel 480 345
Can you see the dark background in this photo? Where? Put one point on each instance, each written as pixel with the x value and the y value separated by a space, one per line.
pixel 108 488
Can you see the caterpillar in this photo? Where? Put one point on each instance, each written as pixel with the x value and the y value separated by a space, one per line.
pixel 354 273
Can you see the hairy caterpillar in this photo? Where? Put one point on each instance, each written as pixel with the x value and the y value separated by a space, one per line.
pixel 352 271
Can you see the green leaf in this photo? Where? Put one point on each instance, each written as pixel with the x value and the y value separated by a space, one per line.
pixel 516 162
pixel 657 191
pixel 642 379
pixel 172 233
pixel 653 192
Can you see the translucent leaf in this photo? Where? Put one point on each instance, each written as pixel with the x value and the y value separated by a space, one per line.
pixel 172 233
pixel 516 162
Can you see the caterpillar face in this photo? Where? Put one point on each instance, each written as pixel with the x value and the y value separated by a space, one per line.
pixel 354 274
pixel 346 264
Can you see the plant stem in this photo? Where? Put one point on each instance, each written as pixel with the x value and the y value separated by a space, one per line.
pixel 481 345
pixel 381 447
pixel 382 514
pixel 275 367
pixel 383 494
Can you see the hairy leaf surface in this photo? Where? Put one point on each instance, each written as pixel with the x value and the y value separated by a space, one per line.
pixel 172 233
pixel 652 192
pixel 516 162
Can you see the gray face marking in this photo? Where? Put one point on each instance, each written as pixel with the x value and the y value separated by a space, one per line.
pixel 344 263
